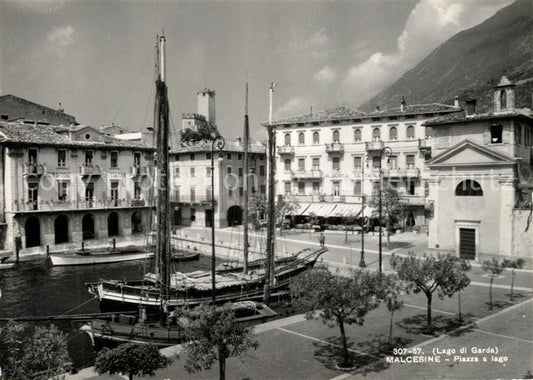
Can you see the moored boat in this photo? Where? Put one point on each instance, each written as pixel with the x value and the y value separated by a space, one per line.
pixel 99 256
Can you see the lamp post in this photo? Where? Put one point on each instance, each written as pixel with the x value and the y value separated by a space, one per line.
pixel 219 143
pixel 364 161
pixel 387 152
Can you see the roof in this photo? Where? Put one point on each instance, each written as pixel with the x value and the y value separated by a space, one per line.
pixel 230 146
pixel 32 134
pixel 460 117
pixel 415 109
pixel 337 113
pixel 17 108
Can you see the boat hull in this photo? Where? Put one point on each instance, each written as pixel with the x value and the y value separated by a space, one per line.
pixel 96 258
pixel 130 295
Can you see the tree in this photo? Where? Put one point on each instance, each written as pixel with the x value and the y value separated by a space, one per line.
pixel 457 278
pixel 337 300
pixel 40 355
pixel 495 268
pixel 391 207
pixel 215 335
pixel 131 359
pixel 426 275
pixel 392 287
pixel 513 264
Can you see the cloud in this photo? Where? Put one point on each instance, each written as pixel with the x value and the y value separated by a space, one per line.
pixel 61 36
pixel 429 24
pixel 326 75
pixel 319 44
pixel 295 106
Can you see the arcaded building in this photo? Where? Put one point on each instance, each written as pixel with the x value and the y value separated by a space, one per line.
pixel 62 185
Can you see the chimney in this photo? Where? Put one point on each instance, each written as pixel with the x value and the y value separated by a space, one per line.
pixel 471 107
pixel 60 109
pixel 456 102
pixel 402 104
pixel 377 108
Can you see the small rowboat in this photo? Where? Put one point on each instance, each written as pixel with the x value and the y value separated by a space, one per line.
pixel 101 256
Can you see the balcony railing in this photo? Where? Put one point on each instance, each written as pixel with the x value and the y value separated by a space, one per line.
pixel 374 145
pixel 414 200
pixel 139 171
pixel 402 173
pixel 54 205
pixel 306 174
pixel 32 168
pixel 197 199
pixel 286 149
pixel 335 147
pixel 90 169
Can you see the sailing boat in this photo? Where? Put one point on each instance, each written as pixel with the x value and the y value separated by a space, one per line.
pixel 170 329
pixel 178 289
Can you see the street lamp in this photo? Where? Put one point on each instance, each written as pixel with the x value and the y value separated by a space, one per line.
pixel 387 152
pixel 219 143
pixel 364 162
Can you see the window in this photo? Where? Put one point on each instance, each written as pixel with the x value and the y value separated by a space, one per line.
pixel 410 132
pixel 518 134
pixel 316 138
pixel 228 156
pixel 89 191
pixel 287 164
pixel 469 188
pixel 192 172
pixel 301 164
pixel 393 162
pixel 301 188
pixel 287 186
pixel 114 159
pixel 208 193
pixel 61 158
pixel 208 172
pixel 262 170
pixel 230 193
pixel 193 214
pixel 137 190
pixel 467 243
pixel 89 157
pixel 239 156
pixel 376 162
pixel 316 163
pixel 208 156
pixel 287 139
pixel 410 161
pixel 357 135
pixel 114 193
pixel 316 188
pixel 177 157
pixel 376 134
pixel 33 194
pixel 240 172
pixel 336 136
pixel 336 163
pixel 411 186
pixel 229 169
pixel 393 133
pixel 496 132
pixel 336 188
pixel 241 191
pixel 503 100
pixel 32 156
pixel 177 172
pixel 192 193
pixel 192 157
pixel 301 138
pixel 62 191
pixel 357 163
pixel 357 188
pixel 137 159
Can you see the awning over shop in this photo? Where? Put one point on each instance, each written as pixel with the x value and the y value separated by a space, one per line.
pixel 321 209
pixel 346 210
pixel 301 209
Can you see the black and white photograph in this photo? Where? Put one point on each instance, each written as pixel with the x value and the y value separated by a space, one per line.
pixel 329 190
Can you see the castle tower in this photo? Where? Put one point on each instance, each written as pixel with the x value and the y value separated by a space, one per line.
pixel 206 105
pixel 504 96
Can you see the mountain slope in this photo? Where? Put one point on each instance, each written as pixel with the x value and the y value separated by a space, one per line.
pixel 470 63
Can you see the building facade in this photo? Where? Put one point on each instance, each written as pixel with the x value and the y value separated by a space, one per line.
pixel 328 160
pixel 63 185
pixel 190 167
pixel 13 108
pixel 481 180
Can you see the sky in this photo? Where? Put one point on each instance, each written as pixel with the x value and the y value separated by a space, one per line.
pixel 97 58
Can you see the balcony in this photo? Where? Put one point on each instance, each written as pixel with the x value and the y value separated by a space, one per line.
pixel 55 205
pixel 197 199
pixel 33 169
pixel 139 171
pixel 401 173
pixel 424 148
pixel 374 146
pixel 87 170
pixel 306 174
pixel 335 147
pixel 286 150
pixel 414 200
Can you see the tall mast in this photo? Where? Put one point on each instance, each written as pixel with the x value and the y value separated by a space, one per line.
pixel 271 239
pixel 162 253
pixel 245 182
